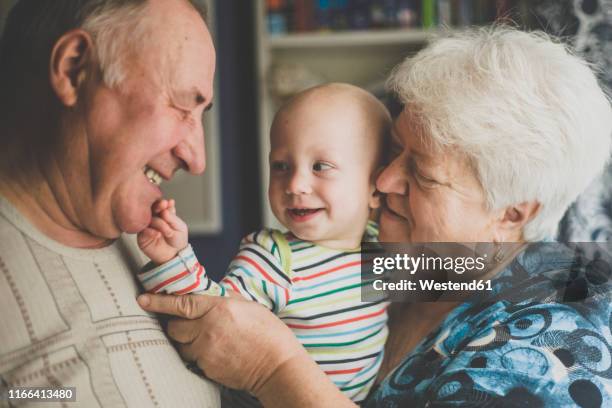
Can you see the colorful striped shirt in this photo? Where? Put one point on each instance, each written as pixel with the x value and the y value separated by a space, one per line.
pixel 315 291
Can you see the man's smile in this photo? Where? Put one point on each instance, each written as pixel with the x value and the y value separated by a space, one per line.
pixel 153 176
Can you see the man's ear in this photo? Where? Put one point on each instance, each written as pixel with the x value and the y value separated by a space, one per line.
pixel 514 218
pixel 70 60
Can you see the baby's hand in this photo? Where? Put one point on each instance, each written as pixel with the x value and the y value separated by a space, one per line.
pixel 165 236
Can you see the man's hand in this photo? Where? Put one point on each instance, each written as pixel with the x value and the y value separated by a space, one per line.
pixel 238 343
pixel 166 235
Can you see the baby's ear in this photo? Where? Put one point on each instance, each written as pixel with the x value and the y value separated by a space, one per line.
pixel 374 200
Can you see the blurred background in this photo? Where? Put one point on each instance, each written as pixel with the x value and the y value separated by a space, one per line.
pixel 267 50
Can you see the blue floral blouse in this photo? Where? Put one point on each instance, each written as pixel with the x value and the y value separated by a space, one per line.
pixel 541 339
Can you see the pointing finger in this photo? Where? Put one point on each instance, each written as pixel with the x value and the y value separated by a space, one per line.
pixel 187 306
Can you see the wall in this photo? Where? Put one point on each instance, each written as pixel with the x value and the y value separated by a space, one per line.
pixel 238 135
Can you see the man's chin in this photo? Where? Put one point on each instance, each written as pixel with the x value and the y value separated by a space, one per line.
pixel 135 223
pixel 131 206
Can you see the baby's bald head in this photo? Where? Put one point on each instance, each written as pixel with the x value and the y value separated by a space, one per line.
pixel 326 145
pixel 332 107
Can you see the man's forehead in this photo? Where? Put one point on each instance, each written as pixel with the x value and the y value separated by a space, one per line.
pixel 191 70
pixel 183 49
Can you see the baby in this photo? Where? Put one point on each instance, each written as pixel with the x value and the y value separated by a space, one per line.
pixel 326 148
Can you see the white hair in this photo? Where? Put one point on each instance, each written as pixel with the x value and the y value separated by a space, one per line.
pixel 530 116
pixel 118 30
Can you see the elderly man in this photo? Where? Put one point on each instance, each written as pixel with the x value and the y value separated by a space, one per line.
pixel 101 101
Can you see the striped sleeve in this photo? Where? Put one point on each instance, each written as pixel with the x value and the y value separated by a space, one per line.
pixel 181 275
pixel 371 232
pixel 260 271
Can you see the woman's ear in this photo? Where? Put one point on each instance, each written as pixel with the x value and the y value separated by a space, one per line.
pixel 514 218
pixel 70 59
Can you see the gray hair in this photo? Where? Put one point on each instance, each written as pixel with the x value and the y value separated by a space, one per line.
pixel 33 27
pixel 529 116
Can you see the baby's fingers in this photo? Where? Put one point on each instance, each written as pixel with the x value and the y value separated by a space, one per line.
pixel 173 220
pixel 146 237
pixel 162 226
pixel 161 205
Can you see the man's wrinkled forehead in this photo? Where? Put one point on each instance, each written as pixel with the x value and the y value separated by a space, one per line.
pixel 185 59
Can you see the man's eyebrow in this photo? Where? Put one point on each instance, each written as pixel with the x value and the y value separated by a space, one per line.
pixel 192 98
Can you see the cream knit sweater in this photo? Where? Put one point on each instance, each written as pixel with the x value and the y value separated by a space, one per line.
pixel 68 317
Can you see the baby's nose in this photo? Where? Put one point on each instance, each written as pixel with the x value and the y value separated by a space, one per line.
pixel 299 183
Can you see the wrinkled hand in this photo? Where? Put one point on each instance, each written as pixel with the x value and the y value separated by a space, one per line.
pixel 166 235
pixel 235 342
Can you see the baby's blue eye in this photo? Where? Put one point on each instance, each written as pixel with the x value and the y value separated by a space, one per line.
pixel 320 166
pixel 279 166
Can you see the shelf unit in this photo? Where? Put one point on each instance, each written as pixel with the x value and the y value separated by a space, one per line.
pixel 362 58
pixel 362 38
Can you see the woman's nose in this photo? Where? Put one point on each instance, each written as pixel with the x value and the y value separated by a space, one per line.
pixel 298 183
pixel 393 179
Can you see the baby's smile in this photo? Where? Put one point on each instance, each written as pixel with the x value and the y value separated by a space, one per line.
pixel 303 214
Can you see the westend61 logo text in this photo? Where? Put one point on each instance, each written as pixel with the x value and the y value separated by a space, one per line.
pixel 411 264
pixel 473 271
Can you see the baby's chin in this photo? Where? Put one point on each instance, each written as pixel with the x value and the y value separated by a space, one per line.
pixel 301 234
pixel 332 242
pixel 305 237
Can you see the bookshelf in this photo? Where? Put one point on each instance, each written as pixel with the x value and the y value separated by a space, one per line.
pixel 363 58
pixel 363 38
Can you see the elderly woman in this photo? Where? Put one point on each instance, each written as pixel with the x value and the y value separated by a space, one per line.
pixel 500 131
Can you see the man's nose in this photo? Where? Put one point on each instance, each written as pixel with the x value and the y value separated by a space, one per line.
pixel 191 151
pixel 298 183
pixel 393 178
